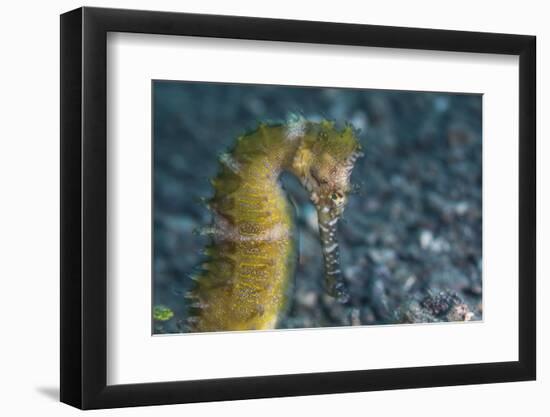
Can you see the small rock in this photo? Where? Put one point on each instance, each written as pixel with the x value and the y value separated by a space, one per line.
pixel 426 238
pixel 355 317
pixel 460 312
pixel 309 299
pixel 462 208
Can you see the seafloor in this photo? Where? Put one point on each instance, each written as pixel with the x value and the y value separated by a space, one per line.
pixel 411 241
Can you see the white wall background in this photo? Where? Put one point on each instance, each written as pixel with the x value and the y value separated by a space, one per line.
pixel 29 237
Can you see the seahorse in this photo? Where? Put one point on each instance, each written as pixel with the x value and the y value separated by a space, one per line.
pixel 244 282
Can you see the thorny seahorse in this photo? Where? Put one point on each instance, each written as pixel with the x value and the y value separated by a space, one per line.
pixel 244 281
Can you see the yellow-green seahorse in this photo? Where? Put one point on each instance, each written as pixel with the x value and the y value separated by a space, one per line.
pixel 243 283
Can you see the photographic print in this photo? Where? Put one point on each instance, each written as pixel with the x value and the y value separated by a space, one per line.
pixel 290 207
pixel 336 186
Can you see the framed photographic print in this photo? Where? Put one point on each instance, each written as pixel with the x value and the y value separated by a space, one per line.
pixel 258 208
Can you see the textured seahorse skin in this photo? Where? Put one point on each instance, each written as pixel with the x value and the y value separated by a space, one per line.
pixel 244 282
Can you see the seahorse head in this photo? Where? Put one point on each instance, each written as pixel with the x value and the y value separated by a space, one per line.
pixel 323 163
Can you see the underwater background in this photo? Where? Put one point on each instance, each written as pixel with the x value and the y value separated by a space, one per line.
pixel 411 238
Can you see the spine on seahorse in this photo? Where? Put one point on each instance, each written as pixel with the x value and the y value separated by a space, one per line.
pixel 243 284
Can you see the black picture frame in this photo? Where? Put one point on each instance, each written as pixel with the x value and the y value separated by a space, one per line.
pixel 84 207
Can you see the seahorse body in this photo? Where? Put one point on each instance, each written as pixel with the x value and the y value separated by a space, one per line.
pixel 243 283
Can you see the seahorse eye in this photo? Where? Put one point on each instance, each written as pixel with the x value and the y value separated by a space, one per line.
pixel 337 198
